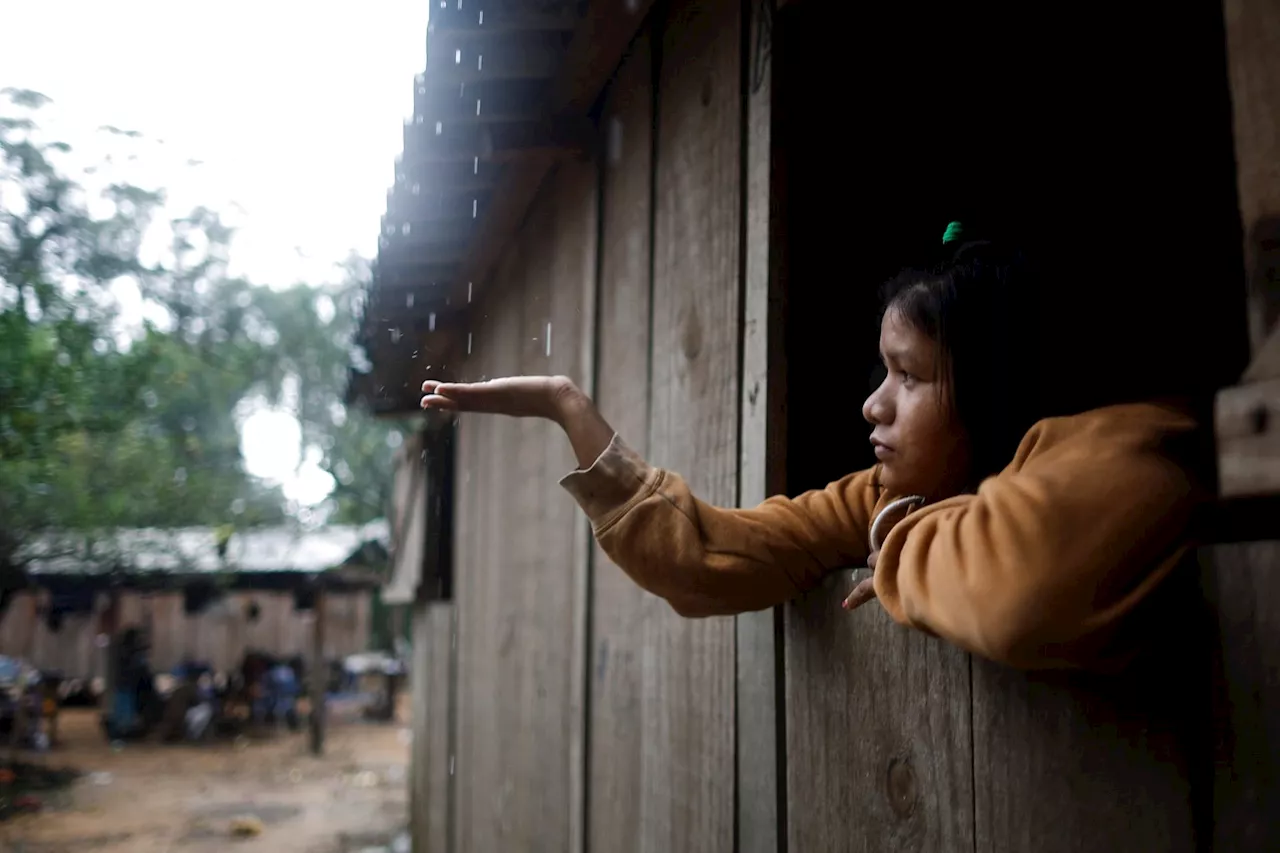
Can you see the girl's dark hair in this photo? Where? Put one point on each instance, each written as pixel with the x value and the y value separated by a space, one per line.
pixel 979 305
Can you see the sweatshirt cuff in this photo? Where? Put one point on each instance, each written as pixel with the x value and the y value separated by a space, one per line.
pixel 615 481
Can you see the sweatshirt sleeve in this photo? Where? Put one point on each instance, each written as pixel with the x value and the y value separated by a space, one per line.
pixel 708 561
pixel 1038 568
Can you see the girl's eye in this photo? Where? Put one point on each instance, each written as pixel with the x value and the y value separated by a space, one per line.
pixel 907 379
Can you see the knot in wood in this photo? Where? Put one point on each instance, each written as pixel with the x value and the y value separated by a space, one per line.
pixel 691 334
pixel 900 787
pixel 1260 419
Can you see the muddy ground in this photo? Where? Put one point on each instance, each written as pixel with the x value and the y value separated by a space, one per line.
pixel 152 797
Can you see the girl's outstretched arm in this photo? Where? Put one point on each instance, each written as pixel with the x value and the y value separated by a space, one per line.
pixel 704 560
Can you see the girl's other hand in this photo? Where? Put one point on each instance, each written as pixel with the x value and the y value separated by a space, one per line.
pixel 865 589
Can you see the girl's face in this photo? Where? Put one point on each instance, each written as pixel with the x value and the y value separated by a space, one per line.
pixel 922 448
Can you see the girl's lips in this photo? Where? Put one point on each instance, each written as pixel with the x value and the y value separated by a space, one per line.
pixel 883 451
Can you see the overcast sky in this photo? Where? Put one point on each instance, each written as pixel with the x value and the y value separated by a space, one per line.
pixel 284 116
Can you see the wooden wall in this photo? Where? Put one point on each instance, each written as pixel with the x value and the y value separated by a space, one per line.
pixel 1242 582
pixel 564 709
pixel 522 547
pixel 220 636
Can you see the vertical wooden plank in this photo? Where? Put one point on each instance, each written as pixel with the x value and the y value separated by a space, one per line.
pixel 166 631
pixel 431 685
pixel 761 472
pixel 464 527
pixel 521 599
pixel 1243 581
pixel 618 606
pixel 1253 40
pixel 878 732
pixel 1242 584
pixel 1066 762
pixel 471 434
pixel 319 677
pixel 571 352
pixel 687 800
pixel 361 632
pixel 539 591
pixel 38 638
pixel 427 834
pixel 469 588
pixel 491 770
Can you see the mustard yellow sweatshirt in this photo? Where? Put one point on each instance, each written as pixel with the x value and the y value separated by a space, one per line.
pixel 1036 570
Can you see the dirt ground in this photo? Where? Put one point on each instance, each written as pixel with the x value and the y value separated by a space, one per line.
pixel 153 797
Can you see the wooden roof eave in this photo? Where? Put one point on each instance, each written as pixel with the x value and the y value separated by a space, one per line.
pixel 517 155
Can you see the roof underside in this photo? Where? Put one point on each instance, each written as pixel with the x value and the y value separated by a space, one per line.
pixel 506 93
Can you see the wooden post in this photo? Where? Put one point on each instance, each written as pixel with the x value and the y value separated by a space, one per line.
pixel 110 626
pixel 1242 580
pixel 319 676
pixel 395 624
pixel 761 448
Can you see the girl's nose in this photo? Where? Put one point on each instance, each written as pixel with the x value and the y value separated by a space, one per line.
pixel 876 408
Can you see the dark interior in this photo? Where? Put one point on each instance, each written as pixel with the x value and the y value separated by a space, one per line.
pixel 1100 141
pixel 440 456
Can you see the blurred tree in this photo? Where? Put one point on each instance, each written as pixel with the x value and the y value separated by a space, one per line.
pixel 316 326
pixel 100 430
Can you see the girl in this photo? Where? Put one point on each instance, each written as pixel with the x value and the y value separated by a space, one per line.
pixel 1028 540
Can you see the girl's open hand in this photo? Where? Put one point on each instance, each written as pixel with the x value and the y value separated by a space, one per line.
pixel 517 396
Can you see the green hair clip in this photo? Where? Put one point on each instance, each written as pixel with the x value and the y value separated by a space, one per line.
pixel 954 232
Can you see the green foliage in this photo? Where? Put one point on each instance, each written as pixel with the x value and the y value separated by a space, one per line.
pixel 99 432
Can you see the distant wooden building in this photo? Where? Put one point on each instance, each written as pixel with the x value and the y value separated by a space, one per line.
pixel 197 601
pixel 688 206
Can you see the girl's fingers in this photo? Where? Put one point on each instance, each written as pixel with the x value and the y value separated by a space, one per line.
pixel 435 401
pixel 862 593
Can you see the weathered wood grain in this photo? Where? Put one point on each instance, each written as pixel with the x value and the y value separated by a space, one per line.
pixel 879 742
pixel 1079 763
pixel 1242 582
pixel 431 693
pixel 522 596
pixel 1266 360
pixel 489 767
pixel 1253 42
pixel 1247 428
pixel 687 696
pixel 570 348
pixel 761 464
pixel 618 606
